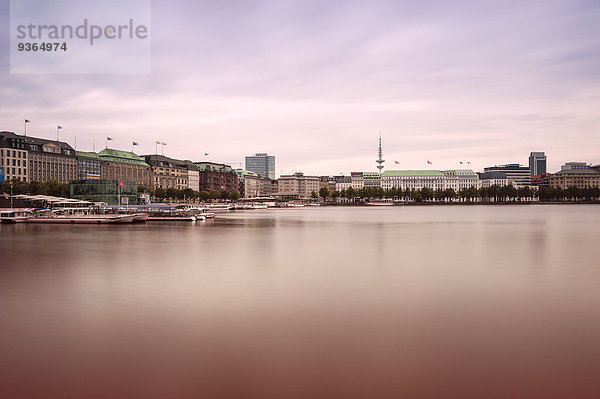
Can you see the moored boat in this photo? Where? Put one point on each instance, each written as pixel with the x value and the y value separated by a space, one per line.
pixel 14 215
pixel 172 219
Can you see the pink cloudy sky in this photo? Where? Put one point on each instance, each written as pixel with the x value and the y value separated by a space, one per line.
pixel 313 83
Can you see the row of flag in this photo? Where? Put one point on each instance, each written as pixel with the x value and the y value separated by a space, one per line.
pixel 431 163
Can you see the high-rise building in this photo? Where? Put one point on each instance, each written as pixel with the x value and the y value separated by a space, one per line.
pixel 537 163
pixel 262 164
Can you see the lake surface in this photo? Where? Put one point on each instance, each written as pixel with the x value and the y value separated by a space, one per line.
pixel 315 302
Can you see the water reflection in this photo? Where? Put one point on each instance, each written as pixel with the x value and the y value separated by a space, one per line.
pixel 419 302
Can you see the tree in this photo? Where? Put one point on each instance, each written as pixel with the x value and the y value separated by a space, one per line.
pixel 324 192
pixel 351 193
pixel 204 195
pixel 313 194
pixel 426 193
pixel 234 195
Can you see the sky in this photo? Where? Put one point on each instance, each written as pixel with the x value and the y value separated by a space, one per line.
pixel 315 82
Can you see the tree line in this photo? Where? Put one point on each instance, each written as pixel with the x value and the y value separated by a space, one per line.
pixel 48 187
pixel 486 194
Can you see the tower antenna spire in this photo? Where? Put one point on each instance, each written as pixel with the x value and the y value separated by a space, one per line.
pixel 380 160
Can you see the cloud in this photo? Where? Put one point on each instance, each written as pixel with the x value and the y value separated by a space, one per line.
pixel 313 83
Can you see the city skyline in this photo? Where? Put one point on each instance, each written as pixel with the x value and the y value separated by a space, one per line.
pixel 450 82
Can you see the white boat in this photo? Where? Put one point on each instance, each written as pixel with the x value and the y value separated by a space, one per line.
pixel 140 217
pixel 379 203
pixel 172 219
pixel 219 207
pixel 82 219
pixel 15 215
pixel 259 206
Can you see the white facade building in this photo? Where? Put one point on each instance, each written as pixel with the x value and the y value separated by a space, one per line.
pixel 461 178
pixel 433 179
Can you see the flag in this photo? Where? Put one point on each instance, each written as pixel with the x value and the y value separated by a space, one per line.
pixel 134 143
pixel 27 121
pixel 206 154
pixel 429 162
pixel 397 163
pixel 121 184
pixel 109 138
pixel 59 127
pixel 468 163
pixel 164 143
pixel 461 162
pixel 158 142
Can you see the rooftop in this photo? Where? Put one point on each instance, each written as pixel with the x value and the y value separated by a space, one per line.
pixel 111 155
pixel 413 173
pixel 83 154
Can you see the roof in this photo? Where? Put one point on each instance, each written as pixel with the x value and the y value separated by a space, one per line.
pixel 111 155
pixel 161 160
pixel 460 172
pixel 213 166
pixel 588 171
pixel 412 173
pixel 83 154
pixel 243 172
pixel 34 140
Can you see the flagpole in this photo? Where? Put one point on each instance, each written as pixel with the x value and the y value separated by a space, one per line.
pixel 57 133
pixel 156 147
pixel 94 145
pixel 25 127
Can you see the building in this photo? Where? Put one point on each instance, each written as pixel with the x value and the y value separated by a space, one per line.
pixel 343 183
pixel 495 182
pixel 51 160
pixel 460 179
pixel 413 179
pixel 216 176
pixel 540 180
pixel 110 191
pixel 262 164
pixel 580 178
pixel 371 180
pixel 298 186
pixel 168 172
pixel 249 183
pixel 328 182
pixel 14 156
pixel 124 166
pixel 34 159
pixel 574 165
pixel 89 165
pixel 357 180
pixel 516 174
pixel 537 163
pixel 193 176
pixel 266 186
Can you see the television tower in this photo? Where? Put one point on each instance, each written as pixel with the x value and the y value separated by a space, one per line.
pixel 380 160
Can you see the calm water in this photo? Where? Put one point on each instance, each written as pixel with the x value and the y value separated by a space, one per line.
pixel 417 302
